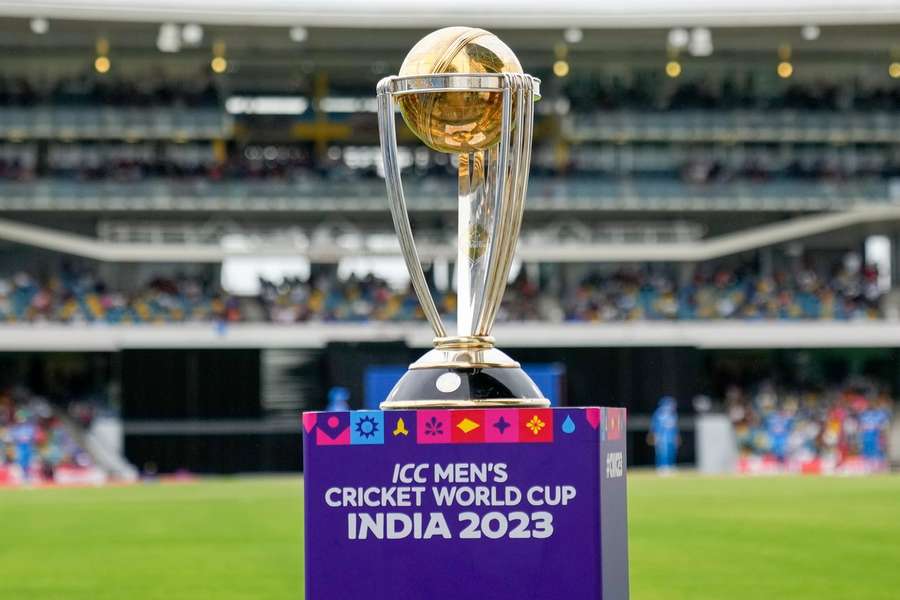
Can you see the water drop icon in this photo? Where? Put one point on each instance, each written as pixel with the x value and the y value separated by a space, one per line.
pixel 568 425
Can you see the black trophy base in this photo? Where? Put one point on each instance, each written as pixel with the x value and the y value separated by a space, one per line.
pixel 464 388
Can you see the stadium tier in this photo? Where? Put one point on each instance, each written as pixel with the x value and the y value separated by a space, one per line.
pixel 624 295
pixel 195 240
pixel 809 431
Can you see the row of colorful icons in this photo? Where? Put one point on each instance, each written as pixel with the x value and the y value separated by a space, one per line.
pixel 493 426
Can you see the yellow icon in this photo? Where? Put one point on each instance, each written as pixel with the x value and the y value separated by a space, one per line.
pixel 535 425
pixel 467 425
pixel 400 429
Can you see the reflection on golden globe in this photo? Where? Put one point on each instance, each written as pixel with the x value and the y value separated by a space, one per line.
pixel 457 122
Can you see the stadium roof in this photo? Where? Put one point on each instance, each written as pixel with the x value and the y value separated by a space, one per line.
pixel 499 13
pixel 691 251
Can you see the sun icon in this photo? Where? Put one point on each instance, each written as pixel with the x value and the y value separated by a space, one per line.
pixel 366 427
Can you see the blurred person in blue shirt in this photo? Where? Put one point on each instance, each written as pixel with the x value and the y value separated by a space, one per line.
pixel 873 425
pixel 779 425
pixel 24 434
pixel 338 399
pixel 664 434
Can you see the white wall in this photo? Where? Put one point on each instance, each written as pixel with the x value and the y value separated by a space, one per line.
pixel 706 335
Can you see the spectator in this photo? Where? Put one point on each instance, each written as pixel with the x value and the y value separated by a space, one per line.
pixel 33 441
pixel 839 429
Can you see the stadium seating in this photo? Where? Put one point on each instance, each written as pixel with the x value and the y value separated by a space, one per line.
pixel 808 431
pixel 672 209
pixel 30 425
pixel 625 295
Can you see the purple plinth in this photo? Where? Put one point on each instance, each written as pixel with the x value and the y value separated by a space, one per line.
pixel 501 504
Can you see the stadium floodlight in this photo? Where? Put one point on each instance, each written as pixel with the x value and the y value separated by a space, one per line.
pixel 298 34
pixel 785 69
pixel 192 34
pixel 169 38
pixel 561 68
pixel 810 33
pixel 701 42
pixel 218 64
pixel 679 38
pixel 39 25
pixel 673 69
pixel 573 35
pixel 102 64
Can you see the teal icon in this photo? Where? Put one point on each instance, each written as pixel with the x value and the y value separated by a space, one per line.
pixel 367 427
pixel 568 425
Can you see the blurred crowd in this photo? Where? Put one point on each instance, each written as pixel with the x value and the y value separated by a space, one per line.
pixel 91 90
pixel 357 299
pixel 645 90
pixel 752 170
pixel 713 293
pixel 652 91
pixel 72 295
pixel 34 443
pixel 820 429
pixel 690 163
pixel 123 167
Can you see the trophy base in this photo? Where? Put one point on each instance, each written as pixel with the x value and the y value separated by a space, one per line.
pixel 554 524
pixel 437 387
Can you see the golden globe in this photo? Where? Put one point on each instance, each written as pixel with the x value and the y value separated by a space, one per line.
pixel 457 122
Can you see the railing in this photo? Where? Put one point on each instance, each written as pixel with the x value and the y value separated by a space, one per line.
pixel 735 126
pixel 434 195
pixel 114 123
pixel 725 334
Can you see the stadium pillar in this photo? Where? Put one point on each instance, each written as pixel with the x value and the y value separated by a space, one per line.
pixel 320 91
pixel 895 261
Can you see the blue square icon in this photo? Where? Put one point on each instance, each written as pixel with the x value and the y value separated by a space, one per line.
pixel 367 427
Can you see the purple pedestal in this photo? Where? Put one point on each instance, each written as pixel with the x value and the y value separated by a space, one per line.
pixel 501 504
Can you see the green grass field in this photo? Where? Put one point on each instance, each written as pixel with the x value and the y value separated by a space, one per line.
pixel 691 538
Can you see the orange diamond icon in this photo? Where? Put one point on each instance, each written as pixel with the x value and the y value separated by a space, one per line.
pixel 467 425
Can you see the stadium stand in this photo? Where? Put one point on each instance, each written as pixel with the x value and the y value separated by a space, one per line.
pixel 843 429
pixel 673 216
pixel 72 296
pixel 652 91
pixel 90 89
pixel 36 446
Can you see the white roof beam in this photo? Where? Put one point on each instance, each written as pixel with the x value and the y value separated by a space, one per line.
pixel 723 245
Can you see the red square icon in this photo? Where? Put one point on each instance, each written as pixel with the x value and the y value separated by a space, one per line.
pixel 467 426
pixel 535 425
